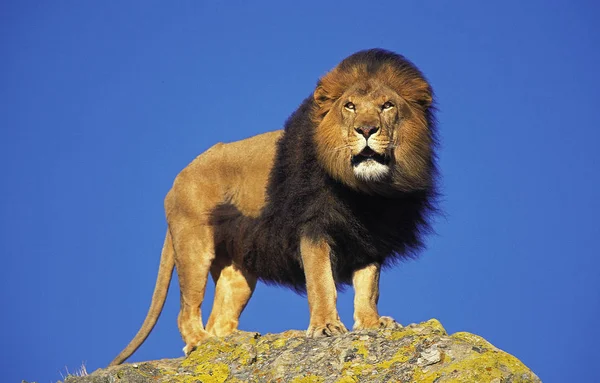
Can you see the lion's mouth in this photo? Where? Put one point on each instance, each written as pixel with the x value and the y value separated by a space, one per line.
pixel 368 154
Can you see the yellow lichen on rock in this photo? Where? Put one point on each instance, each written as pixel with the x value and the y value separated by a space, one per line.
pixel 308 379
pixel 416 353
pixel 214 348
pixel 484 368
pixel 361 349
pixel 212 372
pixel 473 339
pixel 357 368
pixel 482 363
pixel 347 379
pixel 435 326
pixel 432 326
pixel 280 343
pixel 401 356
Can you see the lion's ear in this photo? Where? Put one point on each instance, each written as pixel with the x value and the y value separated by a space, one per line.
pixel 426 98
pixel 320 95
pixel 422 93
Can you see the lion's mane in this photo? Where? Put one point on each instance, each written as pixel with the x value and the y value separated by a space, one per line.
pixel 309 193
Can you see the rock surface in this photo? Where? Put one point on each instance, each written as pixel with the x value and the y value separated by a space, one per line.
pixel 416 353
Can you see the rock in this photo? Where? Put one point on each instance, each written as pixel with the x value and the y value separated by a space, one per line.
pixel 416 353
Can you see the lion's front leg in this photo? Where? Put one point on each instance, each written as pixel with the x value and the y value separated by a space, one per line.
pixel 320 287
pixel 366 289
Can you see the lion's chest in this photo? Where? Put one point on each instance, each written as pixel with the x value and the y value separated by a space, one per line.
pixel 359 233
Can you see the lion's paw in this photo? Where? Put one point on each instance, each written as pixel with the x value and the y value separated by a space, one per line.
pixel 190 347
pixel 187 350
pixel 326 329
pixel 382 322
pixel 388 322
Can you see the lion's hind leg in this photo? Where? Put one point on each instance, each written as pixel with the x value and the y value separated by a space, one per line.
pixel 234 287
pixel 194 249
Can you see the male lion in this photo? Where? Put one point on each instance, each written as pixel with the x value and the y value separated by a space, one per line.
pixel 346 188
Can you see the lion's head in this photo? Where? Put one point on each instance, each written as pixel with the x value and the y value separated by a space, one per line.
pixel 374 123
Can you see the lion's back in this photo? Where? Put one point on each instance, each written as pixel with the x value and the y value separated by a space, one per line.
pixel 235 172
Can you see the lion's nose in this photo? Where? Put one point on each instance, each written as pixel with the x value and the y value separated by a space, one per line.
pixel 367 131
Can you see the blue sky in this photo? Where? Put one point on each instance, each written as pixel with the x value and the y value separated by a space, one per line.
pixel 103 103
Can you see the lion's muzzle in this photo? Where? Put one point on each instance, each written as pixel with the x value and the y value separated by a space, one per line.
pixel 367 131
pixel 368 154
pixel 369 165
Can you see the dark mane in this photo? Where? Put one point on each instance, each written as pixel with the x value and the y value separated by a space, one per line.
pixel 303 200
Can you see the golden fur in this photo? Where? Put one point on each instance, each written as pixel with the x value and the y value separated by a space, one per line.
pixel 347 103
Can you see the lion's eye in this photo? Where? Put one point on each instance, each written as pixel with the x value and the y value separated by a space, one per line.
pixel 387 105
pixel 350 106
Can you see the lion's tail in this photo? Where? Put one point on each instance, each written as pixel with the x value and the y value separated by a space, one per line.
pixel 165 271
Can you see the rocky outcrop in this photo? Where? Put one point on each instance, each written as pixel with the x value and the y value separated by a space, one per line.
pixel 416 353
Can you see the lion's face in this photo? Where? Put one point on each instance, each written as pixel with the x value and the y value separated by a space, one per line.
pixel 370 115
pixel 372 134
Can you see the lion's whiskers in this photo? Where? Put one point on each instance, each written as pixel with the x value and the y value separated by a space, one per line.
pixel 342 147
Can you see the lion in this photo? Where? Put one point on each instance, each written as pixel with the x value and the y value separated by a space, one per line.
pixel 346 188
